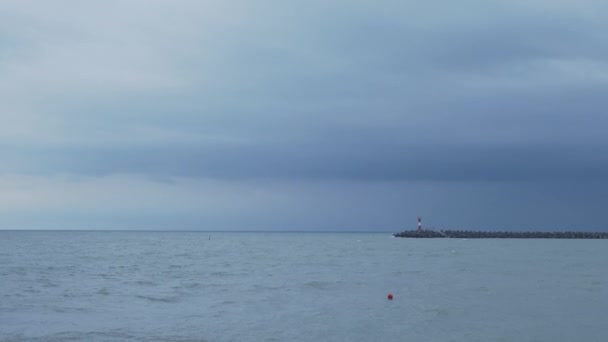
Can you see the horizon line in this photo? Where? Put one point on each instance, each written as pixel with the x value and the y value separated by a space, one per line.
pixel 194 231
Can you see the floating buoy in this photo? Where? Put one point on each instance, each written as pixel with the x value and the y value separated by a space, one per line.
pixel 390 296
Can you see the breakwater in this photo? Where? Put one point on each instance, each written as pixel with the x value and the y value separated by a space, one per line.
pixel 470 234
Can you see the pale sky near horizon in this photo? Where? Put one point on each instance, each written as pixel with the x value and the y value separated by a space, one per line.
pixel 303 115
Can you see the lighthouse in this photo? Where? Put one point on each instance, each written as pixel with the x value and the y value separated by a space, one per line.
pixel 419 223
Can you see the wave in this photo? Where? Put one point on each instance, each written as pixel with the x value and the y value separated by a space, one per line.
pixel 145 283
pixel 172 299
pixel 318 284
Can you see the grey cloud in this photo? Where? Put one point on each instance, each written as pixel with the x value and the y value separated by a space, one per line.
pixel 353 92
pixel 338 160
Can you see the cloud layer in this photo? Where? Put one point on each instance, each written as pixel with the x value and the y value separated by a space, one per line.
pixel 190 102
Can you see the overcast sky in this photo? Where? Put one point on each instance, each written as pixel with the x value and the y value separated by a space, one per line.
pixel 303 115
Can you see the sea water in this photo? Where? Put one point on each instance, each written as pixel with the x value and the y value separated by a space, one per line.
pixel 196 286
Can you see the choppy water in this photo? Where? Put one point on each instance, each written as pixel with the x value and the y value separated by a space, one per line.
pixel 180 286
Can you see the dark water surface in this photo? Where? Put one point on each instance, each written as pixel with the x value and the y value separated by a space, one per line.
pixel 181 286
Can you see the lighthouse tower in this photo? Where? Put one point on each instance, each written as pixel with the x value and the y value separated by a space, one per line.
pixel 419 223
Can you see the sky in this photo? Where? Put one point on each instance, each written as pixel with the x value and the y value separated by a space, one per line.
pixel 304 115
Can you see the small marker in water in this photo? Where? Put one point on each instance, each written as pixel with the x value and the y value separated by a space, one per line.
pixel 390 296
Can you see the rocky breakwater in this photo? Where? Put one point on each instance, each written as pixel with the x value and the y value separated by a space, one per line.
pixel 471 234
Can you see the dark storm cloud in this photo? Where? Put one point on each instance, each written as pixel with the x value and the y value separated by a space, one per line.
pixel 552 135
pixel 334 160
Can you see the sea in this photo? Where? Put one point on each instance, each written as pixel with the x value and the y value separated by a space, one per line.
pixel 214 286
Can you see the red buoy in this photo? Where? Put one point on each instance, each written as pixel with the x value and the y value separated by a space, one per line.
pixel 390 296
